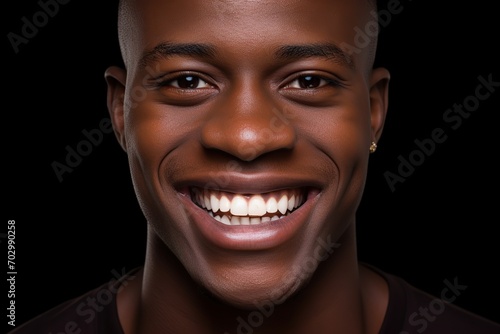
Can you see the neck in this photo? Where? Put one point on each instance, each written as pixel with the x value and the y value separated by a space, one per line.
pixel 167 299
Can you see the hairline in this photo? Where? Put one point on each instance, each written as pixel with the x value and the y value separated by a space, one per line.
pixel 123 12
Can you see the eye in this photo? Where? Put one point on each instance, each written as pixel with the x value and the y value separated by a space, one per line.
pixel 188 82
pixel 315 88
pixel 309 82
pixel 186 88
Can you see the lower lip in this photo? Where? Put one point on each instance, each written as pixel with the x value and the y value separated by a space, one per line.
pixel 249 237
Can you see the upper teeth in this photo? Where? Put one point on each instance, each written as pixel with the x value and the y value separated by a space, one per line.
pixel 248 205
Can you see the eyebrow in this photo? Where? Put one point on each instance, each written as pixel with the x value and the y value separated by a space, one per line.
pixel 328 50
pixel 166 50
pixel 286 52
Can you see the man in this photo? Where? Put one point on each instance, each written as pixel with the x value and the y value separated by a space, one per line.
pixel 248 127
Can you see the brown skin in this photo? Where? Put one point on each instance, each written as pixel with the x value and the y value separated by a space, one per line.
pixel 250 123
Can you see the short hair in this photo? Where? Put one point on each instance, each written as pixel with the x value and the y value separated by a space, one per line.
pixel 124 12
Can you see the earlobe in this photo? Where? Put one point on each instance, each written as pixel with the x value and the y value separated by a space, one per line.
pixel 379 100
pixel 116 80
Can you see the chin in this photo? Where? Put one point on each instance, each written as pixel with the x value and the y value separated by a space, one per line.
pixel 253 291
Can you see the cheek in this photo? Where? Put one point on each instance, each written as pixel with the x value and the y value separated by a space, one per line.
pixel 155 140
pixel 342 133
pixel 144 148
pixel 149 140
pixel 349 147
pixel 352 161
pixel 153 132
pixel 341 136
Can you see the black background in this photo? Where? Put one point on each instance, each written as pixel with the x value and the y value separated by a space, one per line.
pixel 439 224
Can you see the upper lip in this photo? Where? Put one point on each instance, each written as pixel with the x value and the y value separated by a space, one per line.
pixel 249 184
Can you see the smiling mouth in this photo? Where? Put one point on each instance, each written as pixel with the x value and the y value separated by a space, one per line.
pixel 248 209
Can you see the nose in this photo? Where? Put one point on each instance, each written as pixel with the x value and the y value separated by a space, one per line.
pixel 246 122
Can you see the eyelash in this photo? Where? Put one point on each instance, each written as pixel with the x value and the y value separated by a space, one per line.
pixel 170 82
pixel 323 81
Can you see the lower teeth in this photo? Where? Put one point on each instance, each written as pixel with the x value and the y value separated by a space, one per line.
pixel 236 220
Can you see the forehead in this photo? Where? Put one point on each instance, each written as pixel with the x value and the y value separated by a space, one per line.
pixel 239 25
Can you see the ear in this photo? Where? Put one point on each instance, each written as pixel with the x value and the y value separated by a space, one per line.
pixel 116 78
pixel 379 99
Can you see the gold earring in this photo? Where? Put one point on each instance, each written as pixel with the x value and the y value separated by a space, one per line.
pixel 373 147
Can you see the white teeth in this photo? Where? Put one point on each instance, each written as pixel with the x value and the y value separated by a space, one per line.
pixel 214 203
pixel 235 220
pixel 225 220
pixel 239 206
pixel 291 203
pixel 206 201
pixel 272 205
pixel 239 209
pixel 283 204
pixel 224 204
pixel 256 221
pixel 256 206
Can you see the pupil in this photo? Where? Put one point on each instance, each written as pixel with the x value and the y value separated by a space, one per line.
pixel 188 82
pixel 309 82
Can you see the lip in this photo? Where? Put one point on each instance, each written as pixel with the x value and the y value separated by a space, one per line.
pixel 249 237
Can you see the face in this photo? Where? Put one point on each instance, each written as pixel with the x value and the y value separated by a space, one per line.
pixel 247 126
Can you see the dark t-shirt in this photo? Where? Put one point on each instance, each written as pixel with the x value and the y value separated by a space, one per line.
pixel 409 311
